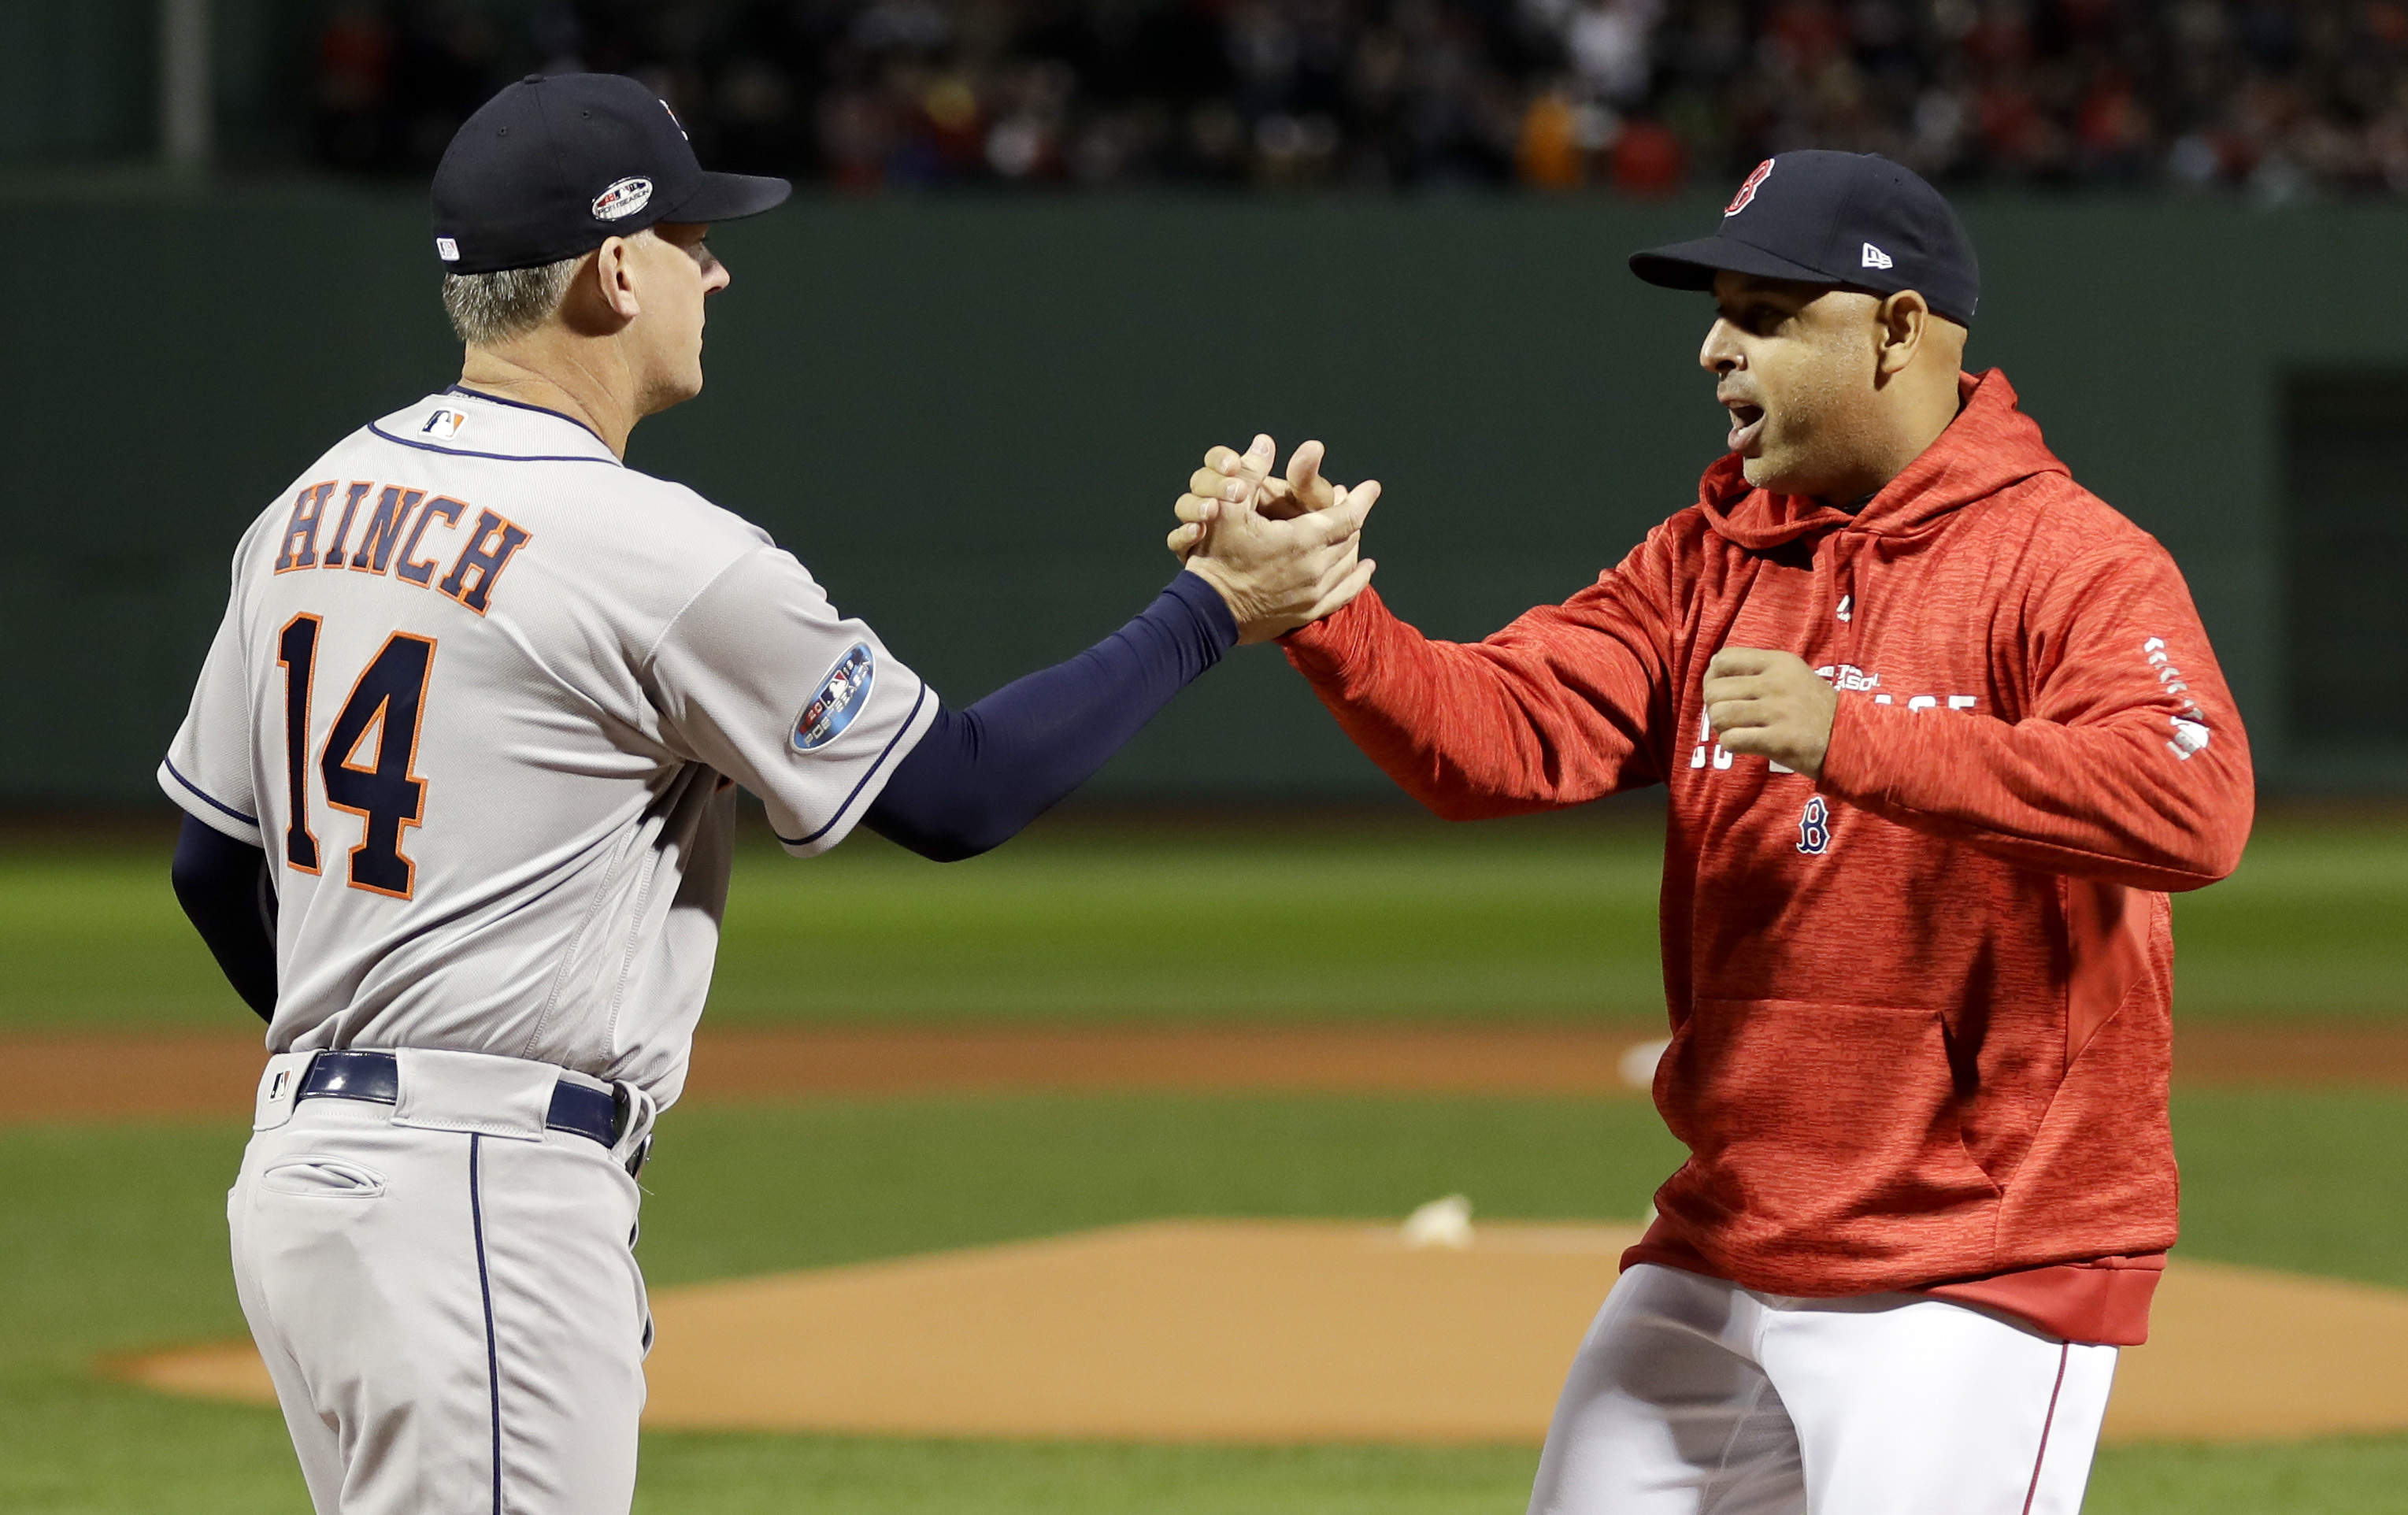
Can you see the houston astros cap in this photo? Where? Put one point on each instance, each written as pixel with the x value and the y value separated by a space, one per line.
pixel 1833 218
pixel 555 166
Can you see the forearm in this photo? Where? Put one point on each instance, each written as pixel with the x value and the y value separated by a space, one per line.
pixel 1556 710
pixel 2109 800
pixel 222 886
pixel 982 774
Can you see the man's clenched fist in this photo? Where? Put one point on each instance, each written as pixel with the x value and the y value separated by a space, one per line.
pixel 1771 705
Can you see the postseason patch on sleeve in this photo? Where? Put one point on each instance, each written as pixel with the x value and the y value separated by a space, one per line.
pixel 842 695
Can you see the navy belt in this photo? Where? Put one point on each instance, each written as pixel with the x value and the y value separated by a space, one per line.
pixel 375 1078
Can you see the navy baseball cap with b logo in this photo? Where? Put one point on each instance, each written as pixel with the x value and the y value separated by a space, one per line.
pixel 555 166
pixel 1854 218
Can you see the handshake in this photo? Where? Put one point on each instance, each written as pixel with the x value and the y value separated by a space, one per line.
pixel 1282 553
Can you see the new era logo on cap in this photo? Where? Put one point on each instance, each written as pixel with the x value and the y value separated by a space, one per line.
pixel 1875 257
pixel 446 250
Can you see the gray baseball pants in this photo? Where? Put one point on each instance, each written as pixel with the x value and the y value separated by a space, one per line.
pixel 445 1292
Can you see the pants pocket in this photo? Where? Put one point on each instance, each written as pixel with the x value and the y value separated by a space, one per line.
pixel 313 1176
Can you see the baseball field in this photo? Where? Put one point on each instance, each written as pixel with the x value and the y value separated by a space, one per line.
pixel 1116 1021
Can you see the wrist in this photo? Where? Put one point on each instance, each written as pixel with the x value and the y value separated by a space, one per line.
pixel 1206 608
pixel 1818 747
pixel 1232 601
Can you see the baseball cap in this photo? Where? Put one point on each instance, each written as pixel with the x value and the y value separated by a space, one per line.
pixel 1833 218
pixel 556 164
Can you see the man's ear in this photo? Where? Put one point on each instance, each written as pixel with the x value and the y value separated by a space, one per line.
pixel 601 297
pixel 1901 322
pixel 614 279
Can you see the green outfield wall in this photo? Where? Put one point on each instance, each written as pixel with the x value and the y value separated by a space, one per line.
pixel 970 417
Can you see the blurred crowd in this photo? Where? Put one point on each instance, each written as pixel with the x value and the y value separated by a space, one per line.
pixel 2281 97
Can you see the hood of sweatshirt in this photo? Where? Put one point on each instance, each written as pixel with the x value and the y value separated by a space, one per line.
pixel 1989 447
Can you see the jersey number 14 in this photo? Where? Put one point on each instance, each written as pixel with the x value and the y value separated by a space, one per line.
pixel 379 786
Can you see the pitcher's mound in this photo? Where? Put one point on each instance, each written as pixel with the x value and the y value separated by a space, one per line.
pixel 1266 1331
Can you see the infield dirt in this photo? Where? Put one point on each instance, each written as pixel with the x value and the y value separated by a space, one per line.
pixel 1289 1331
pixel 123 1075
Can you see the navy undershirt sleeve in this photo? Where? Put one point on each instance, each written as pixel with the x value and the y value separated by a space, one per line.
pixel 979 774
pixel 223 885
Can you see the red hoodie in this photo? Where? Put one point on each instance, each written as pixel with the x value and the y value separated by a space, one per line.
pixel 1920 1008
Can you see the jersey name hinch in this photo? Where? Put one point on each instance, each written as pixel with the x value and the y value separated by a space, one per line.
pixel 389 534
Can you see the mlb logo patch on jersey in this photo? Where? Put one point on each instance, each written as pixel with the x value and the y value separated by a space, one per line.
pixel 443 423
pixel 842 695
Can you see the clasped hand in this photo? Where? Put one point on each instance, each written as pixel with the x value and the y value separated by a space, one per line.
pixel 1282 553
pixel 1773 706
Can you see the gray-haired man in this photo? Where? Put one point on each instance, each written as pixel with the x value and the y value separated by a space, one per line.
pixel 460 778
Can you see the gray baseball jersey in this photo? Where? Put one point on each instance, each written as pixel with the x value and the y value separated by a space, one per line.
pixel 482 693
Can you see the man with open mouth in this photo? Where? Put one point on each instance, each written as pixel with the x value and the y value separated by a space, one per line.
pixel 1942 731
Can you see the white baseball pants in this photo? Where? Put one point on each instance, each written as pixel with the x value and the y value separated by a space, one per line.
pixel 445 1292
pixel 1695 1396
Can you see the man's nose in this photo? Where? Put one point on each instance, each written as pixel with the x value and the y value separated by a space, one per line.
pixel 1720 355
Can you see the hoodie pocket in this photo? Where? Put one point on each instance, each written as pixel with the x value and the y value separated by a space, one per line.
pixel 1805 1116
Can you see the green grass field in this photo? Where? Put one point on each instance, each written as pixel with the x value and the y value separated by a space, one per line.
pixel 1552 919
pixel 115 1243
pixel 114 1234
